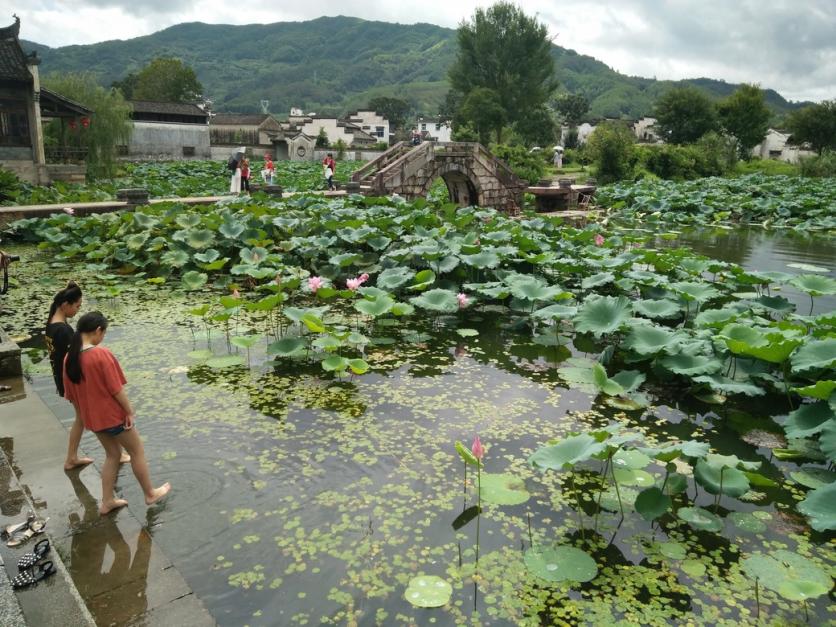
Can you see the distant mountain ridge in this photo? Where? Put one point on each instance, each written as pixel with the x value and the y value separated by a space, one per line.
pixel 335 64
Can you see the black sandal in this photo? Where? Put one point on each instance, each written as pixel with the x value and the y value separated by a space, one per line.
pixel 28 560
pixel 32 577
pixel 35 527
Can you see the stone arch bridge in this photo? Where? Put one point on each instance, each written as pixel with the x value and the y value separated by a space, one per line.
pixel 472 174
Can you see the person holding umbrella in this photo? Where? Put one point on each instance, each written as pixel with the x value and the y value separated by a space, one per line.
pixel 558 157
pixel 234 166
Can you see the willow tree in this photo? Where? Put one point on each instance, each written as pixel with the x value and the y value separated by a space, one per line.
pixel 503 50
pixel 108 126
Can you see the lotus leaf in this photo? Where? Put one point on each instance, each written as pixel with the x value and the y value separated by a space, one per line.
pixel 657 309
pixel 193 280
pixel 652 503
pixel 443 301
pixel 200 355
pixel 402 309
pixel 784 567
pixel 827 441
pixel 815 355
pixel 376 306
pixel 467 456
pixel 820 389
pixel 820 507
pixel 175 258
pixel 808 419
pixel 801 590
pixel 188 220
pixel 725 385
pixel 566 453
pixel 597 280
pixel 422 280
pixel 814 284
pixel 313 322
pixel 562 563
pixel 245 341
pixel 700 518
pixel 691 365
pixel 729 481
pixel 604 383
pixel 746 522
pixel 675 484
pixel 393 278
pixel 287 347
pixel 482 260
pixel 358 366
pixel 649 340
pixel 603 314
pixel 813 477
pixel 626 458
pixel 555 312
pixel 231 229
pixel 503 489
pixel 691 291
pixel 428 591
pixel 715 318
pixel 730 461
pixel 253 256
pixel 225 361
pixel 199 238
pixel 531 288
pixel 776 303
pixel 207 256
pixel 335 363
pixel 693 568
pixel 633 477
pixel 672 550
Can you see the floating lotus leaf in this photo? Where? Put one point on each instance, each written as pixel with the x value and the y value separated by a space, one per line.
pixel 562 563
pixel 700 518
pixel 816 354
pixel 610 498
pixel 601 315
pixel 820 507
pixel 428 591
pixel 649 340
pixel 657 309
pixel 467 332
pixel 807 267
pixel 788 571
pixel 625 458
pixel 725 385
pixel 287 347
pixel 715 318
pixel 193 280
pixel 376 306
pixel 633 477
pixel 820 389
pixel 566 453
pixel 652 503
pixel 691 365
pixel 813 477
pixel 225 361
pixel 393 278
pixel 503 489
pixel 745 521
pixel 814 284
pixel 555 312
pixel 693 568
pixel 808 419
pixel 672 550
pixel 801 590
pixel 443 301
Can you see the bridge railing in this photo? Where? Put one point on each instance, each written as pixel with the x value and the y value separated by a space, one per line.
pixel 400 167
pixel 379 162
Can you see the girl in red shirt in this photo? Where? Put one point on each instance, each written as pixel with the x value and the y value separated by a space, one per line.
pixel 94 384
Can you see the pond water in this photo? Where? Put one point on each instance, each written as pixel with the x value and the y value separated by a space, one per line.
pixel 302 499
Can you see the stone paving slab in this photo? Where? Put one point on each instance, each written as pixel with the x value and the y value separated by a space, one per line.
pixel 115 574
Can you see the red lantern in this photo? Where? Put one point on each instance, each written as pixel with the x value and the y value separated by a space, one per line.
pixel 85 122
pixel 72 125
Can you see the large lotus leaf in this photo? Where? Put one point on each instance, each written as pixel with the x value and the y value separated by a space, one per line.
pixel 648 340
pixel 503 489
pixel 597 280
pixel 820 508
pixel 813 477
pixel 827 441
pixel 700 518
pixel 562 563
pixel 700 292
pixel 657 309
pixel 814 284
pixel 421 281
pixel 287 347
pixel 232 229
pixel 393 278
pixel 715 318
pixel 428 591
pixel 633 477
pixel 604 383
pixel 808 419
pixel 577 371
pixel 193 280
pixel 801 590
pixel 443 301
pixel 601 315
pixel 375 307
pixel 188 220
pixel 533 289
pixel 740 336
pixel 717 461
pixel 136 241
pixel 253 256
pixel 343 260
pixel 629 380
pixel 207 256
pixel 820 389
pixel 144 221
pixel 816 354
pixel 358 366
pixel 783 567
pixel 200 238
pixel 627 458
pixel 724 385
pixel 775 351
pixel 652 503
pixel 775 303
pixel 335 363
pixel 327 343
pixel 732 482
pixel 566 453
pixel 691 365
pixel 176 258
pixel 555 312
pixel 481 260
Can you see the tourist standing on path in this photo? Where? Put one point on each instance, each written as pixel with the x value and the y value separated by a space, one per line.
pixel 245 174
pixel 269 170
pixel 330 167
pixel 95 385
pixel 234 166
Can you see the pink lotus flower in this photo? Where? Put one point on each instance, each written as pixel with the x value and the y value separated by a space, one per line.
pixel 363 278
pixel 236 294
pixel 477 449
pixel 314 283
pixel 599 239
pixel 353 284
pixel 69 211
pixel 463 300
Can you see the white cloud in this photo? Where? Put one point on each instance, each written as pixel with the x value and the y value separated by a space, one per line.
pixel 783 44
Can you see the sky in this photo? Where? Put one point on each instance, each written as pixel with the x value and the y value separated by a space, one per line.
pixel 785 45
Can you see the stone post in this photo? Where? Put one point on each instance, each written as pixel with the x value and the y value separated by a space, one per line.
pixel 36 131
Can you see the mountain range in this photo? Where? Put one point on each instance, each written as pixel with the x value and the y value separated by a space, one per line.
pixel 335 64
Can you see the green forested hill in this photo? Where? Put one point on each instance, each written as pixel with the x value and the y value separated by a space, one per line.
pixel 334 64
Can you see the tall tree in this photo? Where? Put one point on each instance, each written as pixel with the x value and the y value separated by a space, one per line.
pixel 393 109
pixel 482 108
pixel 167 80
pixel 572 107
pixel 684 114
pixel 745 116
pixel 538 127
pixel 126 85
pixel 109 124
pixel 816 125
pixel 503 50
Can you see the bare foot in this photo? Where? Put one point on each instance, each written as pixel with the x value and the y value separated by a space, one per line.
pixel 77 462
pixel 159 493
pixel 125 459
pixel 108 506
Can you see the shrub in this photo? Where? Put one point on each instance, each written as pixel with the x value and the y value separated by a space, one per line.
pixel 712 155
pixel 769 167
pixel 528 166
pixel 612 149
pixel 717 154
pixel 822 165
pixel 9 185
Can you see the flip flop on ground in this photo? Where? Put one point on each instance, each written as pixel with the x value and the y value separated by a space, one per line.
pixel 33 576
pixel 35 527
pixel 14 528
pixel 28 560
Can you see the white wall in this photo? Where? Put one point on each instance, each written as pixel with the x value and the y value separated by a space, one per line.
pixel 644 130
pixel 334 132
pixel 774 146
pixel 167 139
pixel 371 122
pixel 440 131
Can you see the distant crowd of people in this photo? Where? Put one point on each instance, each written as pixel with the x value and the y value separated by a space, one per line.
pixel 241 173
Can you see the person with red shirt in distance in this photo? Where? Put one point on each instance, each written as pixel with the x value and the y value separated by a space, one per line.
pixel 330 167
pixel 95 385
pixel 269 171
pixel 245 174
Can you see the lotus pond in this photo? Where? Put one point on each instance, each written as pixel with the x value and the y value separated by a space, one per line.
pixel 656 426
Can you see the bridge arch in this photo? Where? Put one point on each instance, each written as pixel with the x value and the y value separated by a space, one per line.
pixel 462 185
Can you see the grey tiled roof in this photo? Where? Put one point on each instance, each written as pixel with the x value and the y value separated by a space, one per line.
pixel 13 64
pixel 175 108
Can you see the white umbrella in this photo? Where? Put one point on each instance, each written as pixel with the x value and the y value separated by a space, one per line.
pixel 558 148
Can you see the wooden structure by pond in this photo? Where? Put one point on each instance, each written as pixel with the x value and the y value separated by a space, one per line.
pixel 562 197
pixel 472 174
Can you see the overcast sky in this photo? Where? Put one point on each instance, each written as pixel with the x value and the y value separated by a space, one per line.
pixel 786 45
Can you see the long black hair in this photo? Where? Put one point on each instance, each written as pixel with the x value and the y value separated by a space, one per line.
pixel 70 294
pixel 88 323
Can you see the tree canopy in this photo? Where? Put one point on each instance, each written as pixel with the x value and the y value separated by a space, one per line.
pixel 572 107
pixel 745 116
pixel 167 80
pixel 109 124
pixel 504 51
pixel 685 114
pixel 483 109
pixel 815 125
pixel 393 109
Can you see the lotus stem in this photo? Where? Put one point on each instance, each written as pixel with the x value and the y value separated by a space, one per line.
pixel 604 468
pixel 786 384
pixel 530 538
pixel 479 501
pixel 578 502
pixel 720 491
pixel 617 491
pixel 757 601
pixel 810 314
